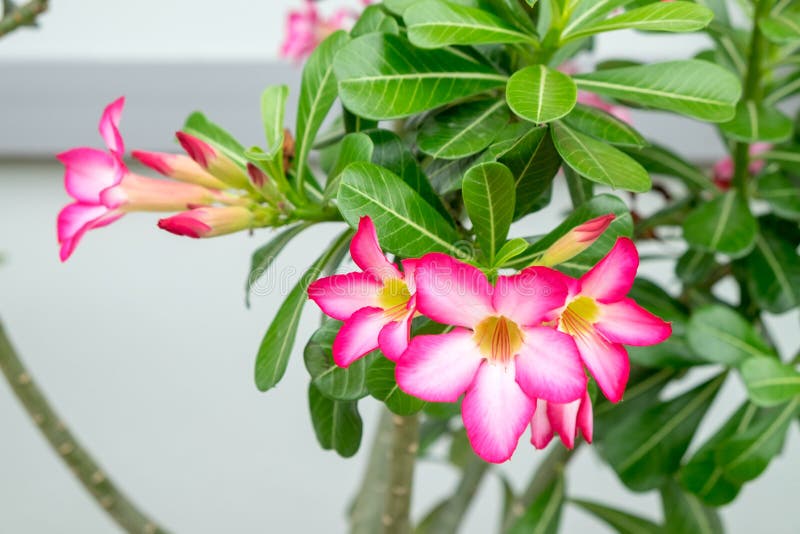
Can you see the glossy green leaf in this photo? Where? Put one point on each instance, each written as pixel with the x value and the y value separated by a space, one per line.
pixel 276 347
pixel 604 126
pixel 645 451
pixel 724 225
pixel 781 28
pixel 337 424
pixel 374 19
pixel 598 161
pixel 770 382
pixel 317 95
pixel 586 11
pixel 720 335
pixel 658 160
pixel 335 382
pixel 683 512
pixel 782 194
pixel 353 147
pixel 463 130
pixel 511 250
pixel 787 155
pixel 273 105
pixel 488 191
pixel 199 126
pixel 264 256
pixel 540 94
pixel 544 514
pixel 383 76
pixel 661 17
pixel 783 88
pixel 695 265
pixel 754 122
pixel 383 386
pixel 446 174
pixel 695 88
pixel 773 267
pixel 433 24
pixel 406 224
pixel 622 522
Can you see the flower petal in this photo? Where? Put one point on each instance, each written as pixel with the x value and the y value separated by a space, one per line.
pixel 495 412
pixel 76 219
pixel 439 368
pixel 628 323
pixel 612 277
pixel 541 429
pixel 564 418
pixel 109 126
pixel 341 295
pixel 549 366
pixel 452 292
pixel 358 336
pixel 88 172
pixel 530 297
pixel 586 418
pixel 367 253
pixel 409 267
pixel 393 338
pixel 607 362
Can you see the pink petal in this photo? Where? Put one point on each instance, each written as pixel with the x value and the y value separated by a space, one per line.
pixel 586 418
pixel 495 412
pixel 409 268
pixel 439 368
pixel 534 295
pixel 628 323
pixel 77 219
pixel 612 277
pixel 564 418
pixel 541 429
pixel 549 366
pixel 358 336
pixel 341 295
pixel 88 172
pixel 393 339
pixel 367 253
pixel 452 292
pixel 109 126
pixel 607 362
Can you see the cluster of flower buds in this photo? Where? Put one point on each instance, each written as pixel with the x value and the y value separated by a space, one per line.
pixel 213 194
pixel 518 349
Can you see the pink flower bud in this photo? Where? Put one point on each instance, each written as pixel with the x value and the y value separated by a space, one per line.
pixel 178 167
pixel 140 193
pixel 575 241
pixel 208 222
pixel 213 160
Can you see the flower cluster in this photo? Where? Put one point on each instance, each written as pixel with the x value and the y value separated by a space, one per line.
pixel 515 349
pixel 306 28
pixel 213 194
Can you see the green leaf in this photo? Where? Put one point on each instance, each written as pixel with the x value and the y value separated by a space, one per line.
pixel 511 250
pixel 407 225
pixel 683 512
pixel 353 147
pixel 488 191
pixel 273 105
pixel 540 94
pixel 694 88
pixel 655 299
pixel 544 514
pixel 598 161
pixel 317 95
pixel 781 28
pixel 383 76
pixel 723 225
pixel 661 17
pixel 622 522
pixel 602 125
pixel 199 126
pixel 788 156
pixel 434 23
pixel 382 385
pixel 754 122
pixel 770 382
pixel 597 206
pixel 658 160
pixel 646 450
pixel 335 382
pixel 276 347
pixel 337 424
pixel 720 335
pixel 374 19
pixel 266 254
pixel 695 265
pixel 773 267
pixel 463 130
pixel 782 194
pixel 587 11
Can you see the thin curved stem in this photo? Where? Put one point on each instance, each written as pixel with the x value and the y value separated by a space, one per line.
pixel 78 459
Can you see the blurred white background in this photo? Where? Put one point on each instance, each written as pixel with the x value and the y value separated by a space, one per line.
pixel 142 340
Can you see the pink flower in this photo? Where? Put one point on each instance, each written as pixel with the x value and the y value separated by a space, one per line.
pixel 376 305
pixel 500 354
pixel 723 169
pixel 306 28
pixel 178 167
pixel 209 221
pixel 601 319
pixel 591 99
pixel 564 419
pixel 575 241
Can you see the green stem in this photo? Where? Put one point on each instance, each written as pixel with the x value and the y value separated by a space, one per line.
pixel 450 517
pixel 78 459
pixel 21 16
pixel 367 509
pixel 402 457
pixel 580 190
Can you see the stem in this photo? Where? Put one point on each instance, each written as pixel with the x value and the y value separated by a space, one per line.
pixel 78 459
pixel 21 16
pixel 450 518
pixel 367 509
pixel 580 190
pixel 402 456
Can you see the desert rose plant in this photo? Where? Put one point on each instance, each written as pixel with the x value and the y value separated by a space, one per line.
pixel 427 129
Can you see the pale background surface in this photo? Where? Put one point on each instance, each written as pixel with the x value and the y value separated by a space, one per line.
pixel 142 340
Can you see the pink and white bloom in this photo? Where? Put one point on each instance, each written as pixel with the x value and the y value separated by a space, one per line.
pixel 209 221
pixel 500 355
pixel 566 420
pixel 601 319
pixel 724 168
pixel 376 304
pixel 575 241
pixel 306 28
pixel 178 167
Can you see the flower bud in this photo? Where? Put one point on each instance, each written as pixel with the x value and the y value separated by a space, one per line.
pixel 264 184
pixel 213 160
pixel 140 193
pixel 209 222
pixel 178 167
pixel 575 241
